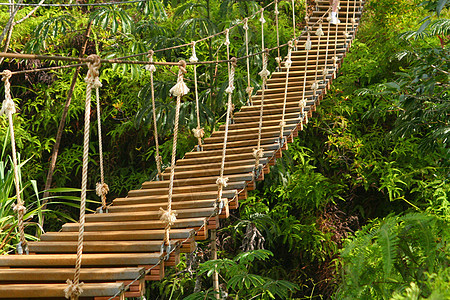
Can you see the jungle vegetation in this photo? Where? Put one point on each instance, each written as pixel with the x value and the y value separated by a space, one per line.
pixel 357 208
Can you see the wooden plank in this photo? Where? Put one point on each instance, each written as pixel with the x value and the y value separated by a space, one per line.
pixel 42 290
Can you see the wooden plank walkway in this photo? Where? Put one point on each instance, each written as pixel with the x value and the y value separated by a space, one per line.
pixel 125 242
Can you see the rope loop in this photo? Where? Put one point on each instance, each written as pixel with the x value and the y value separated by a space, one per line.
pixel 245 27
pixel 227 37
pixel 8 105
pixel 180 88
pixel 230 87
pixel 73 290
pixel 92 77
pixel 194 57
pixel 264 72
pixel 150 67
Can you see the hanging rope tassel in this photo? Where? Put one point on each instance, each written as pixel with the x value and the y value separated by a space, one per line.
pixel 102 188
pixel 8 109
pixel 287 65
pixel 151 68
pixel 222 182
pixel 169 216
pixel 258 152
pixel 249 88
pixel 74 290
pixel 198 132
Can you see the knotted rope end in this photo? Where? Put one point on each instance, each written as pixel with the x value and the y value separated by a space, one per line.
pixel 168 217
pixel 72 289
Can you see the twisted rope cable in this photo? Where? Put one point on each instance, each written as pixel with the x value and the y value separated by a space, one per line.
pixel 287 64
pixel 335 57
pixel 151 68
pixel 346 32
pixel 9 108
pixel 293 15
pixel 258 152
pixel 178 90
pixel 74 288
pixel 325 68
pixel 262 20
pixel 223 181
pixel 249 89
pixel 101 187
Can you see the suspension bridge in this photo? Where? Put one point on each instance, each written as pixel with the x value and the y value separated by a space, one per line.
pixel 127 243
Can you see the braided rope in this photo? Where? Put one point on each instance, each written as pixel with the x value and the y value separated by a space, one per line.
pixel 258 152
pixel 287 64
pixel 278 58
pixel 249 89
pixel 74 288
pixel 158 158
pixel 101 187
pixel 262 20
pixel 223 181
pixel 9 108
pixel 198 132
pixel 168 217
pixel 293 16
pixel 308 46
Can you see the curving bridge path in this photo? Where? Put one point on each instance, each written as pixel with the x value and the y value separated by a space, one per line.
pixel 122 247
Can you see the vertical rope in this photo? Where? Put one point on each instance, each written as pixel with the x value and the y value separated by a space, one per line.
pixel 287 65
pixel 152 69
pixel 249 89
pixel 74 288
pixel 354 18
pixel 9 108
pixel 293 18
pixel 315 85
pixel 303 101
pixel 278 58
pixel 346 32
pixel 258 152
pixel 222 182
pixel 101 187
pixel 198 132
pixel 335 57
pixel 178 90
pixel 227 43
pixel 262 20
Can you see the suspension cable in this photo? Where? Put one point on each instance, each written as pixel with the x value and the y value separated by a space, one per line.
pixel 198 132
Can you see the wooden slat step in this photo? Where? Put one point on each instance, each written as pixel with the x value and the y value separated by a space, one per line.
pixel 197 181
pixel 62 274
pixel 148 215
pixel 117 235
pixel 265 133
pixel 234 145
pixel 236 185
pixel 215 165
pixel 216 159
pixel 95 246
pixel 242 150
pixel 176 205
pixel 42 290
pixel 134 225
pixel 63 260
pixel 216 172
pixel 148 196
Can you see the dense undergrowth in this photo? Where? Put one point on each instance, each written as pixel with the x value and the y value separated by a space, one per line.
pixel 357 208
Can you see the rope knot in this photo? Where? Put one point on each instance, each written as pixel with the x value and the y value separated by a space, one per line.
pixel 282 125
pixel 168 217
pixel 194 57
pixel 346 34
pixel 92 77
pixel 258 153
pixel 262 20
pixel 198 132
pixel 230 87
pixel 353 21
pixel 319 31
pixel 19 208
pixel 308 44
pixel 249 90
pixel 315 86
pixel 180 88
pixel 222 182
pixel 8 105
pixel 101 189
pixel 150 67
pixel 73 290
pixel 325 72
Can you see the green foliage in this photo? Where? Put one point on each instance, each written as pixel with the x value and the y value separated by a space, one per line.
pixel 397 253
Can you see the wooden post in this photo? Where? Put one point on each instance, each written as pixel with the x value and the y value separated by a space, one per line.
pixel 214 256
